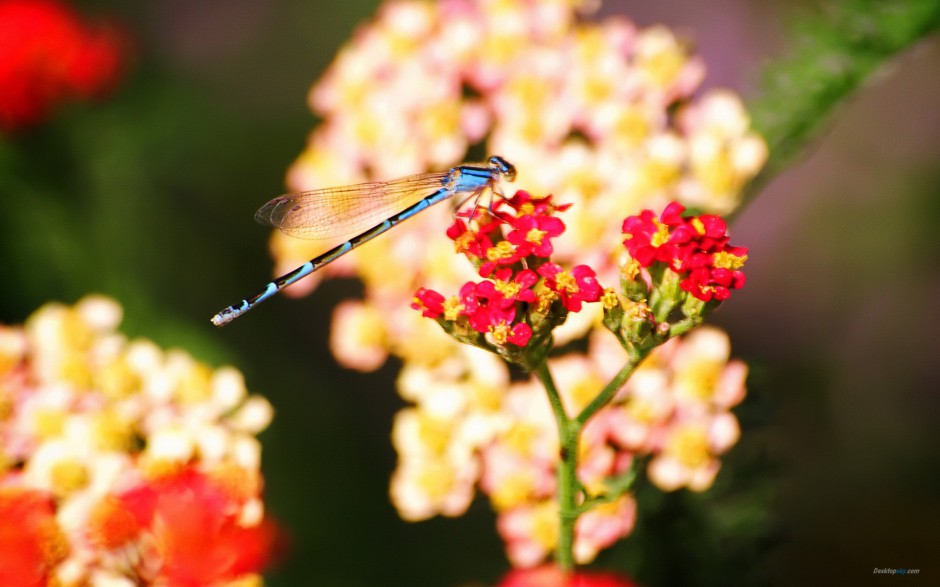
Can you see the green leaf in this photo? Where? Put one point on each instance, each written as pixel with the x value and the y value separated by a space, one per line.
pixel 832 54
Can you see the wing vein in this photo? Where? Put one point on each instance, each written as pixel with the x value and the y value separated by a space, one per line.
pixel 343 212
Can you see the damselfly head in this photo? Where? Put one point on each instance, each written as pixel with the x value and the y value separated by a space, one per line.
pixel 503 167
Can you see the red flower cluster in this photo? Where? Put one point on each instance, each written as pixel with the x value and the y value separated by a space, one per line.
pixel 695 247
pixel 192 519
pixel 519 280
pixel 486 309
pixel 47 55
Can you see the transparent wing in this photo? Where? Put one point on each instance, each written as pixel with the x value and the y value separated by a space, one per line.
pixel 343 212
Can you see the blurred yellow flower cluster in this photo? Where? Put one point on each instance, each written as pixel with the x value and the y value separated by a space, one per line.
pixel 88 418
pixel 471 427
pixel 598 114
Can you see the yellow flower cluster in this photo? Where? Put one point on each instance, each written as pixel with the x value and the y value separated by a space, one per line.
pixel 600 115
pixel 86 413
pixel 470 427
pixel 677 407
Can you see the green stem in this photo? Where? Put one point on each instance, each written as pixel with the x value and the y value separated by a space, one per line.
pixel 680 328
pixel 554 398
pixel 607 394
pixel 568 511
pixel 569 434
pixel 569 431
pixel 615 487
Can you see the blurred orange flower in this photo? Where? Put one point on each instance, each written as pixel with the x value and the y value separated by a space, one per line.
pixel 30 539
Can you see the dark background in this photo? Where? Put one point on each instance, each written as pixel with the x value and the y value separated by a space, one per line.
pixel 148 197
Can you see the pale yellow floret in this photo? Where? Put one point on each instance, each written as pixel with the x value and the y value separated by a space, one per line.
pixel 641 410
pixel 194 384
pixel 75 369
pixel 485 397
pixel 434 433
pixel 113 432
pixel 253 416
pixel 712 165
pixel 117 379
pixel 584 390
pixel 689 445
pixel 68 476
pixel 408 24
pixel 171 444
pixel 545 525
pixel 698 378
pixel 436 479
pixel 657 175
pixel 440 120
pixel 631 126
pixel 379 266
pixel 659 55
pixel 49 422
pixel 513 490
pixel 498 49
pixel 521 438
pixel 367 327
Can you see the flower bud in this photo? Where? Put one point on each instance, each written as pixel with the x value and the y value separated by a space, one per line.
pixel 635 282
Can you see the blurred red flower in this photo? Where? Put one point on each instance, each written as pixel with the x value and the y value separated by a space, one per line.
pixel 48 55
pixel 31 543
pixel 194 522
pixel 552 576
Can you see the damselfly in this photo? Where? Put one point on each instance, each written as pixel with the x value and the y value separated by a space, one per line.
pixel 334 213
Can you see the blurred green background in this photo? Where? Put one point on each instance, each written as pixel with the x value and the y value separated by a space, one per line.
pixel 149 196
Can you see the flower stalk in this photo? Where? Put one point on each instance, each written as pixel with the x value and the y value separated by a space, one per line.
pixel 611 389
pixel 679 269
pixel 571 505
pixel 569 430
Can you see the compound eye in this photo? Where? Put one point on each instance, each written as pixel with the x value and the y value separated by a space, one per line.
pixel 505 168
